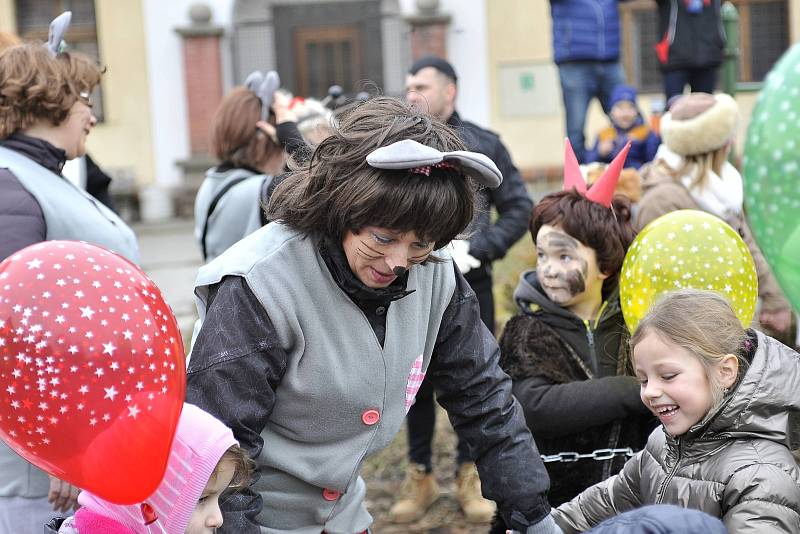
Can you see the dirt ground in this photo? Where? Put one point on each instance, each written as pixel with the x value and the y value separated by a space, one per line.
pixel 384 473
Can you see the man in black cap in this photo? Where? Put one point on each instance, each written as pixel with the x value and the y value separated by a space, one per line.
pixel 431 86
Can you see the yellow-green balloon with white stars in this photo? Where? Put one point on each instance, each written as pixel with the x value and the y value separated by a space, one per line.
pixel 772 172
pixel 687 249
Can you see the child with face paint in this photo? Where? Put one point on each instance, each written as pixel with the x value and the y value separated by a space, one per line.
pixel 566 350
pixel 723 395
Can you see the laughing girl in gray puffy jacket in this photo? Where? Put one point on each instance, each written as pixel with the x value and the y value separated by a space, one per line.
pixel 723 395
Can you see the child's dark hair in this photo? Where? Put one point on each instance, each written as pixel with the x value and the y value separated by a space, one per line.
pixel 608 232
pixel 243 467
pixel 336 191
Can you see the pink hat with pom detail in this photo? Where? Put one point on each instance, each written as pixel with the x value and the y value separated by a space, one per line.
pixel 200 441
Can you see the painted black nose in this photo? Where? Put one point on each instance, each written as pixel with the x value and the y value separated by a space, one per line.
pixel 399 270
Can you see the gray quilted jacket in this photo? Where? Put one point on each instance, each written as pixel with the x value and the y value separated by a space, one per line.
pixel 733 465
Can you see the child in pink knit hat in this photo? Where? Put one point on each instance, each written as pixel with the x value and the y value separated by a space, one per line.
pixel 205 460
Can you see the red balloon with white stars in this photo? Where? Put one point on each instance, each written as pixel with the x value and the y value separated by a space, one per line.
pixel 92 368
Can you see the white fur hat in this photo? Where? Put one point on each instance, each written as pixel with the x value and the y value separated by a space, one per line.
pixel 699 123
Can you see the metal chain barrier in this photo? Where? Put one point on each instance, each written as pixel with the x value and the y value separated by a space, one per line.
pixel 599 454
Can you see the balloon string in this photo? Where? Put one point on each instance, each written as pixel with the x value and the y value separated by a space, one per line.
pixel 160 528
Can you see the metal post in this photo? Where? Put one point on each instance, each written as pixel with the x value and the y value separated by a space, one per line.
pixel 730 64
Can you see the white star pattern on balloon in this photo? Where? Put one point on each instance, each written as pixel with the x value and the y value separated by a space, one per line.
pixel 716 253
pixel 69 339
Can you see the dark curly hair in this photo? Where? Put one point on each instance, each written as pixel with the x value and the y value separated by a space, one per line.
pixel 336 191
pixel 36 86
pixel 608 231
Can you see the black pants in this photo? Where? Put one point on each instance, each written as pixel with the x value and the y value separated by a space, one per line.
pixel 699 80
pixel 421 418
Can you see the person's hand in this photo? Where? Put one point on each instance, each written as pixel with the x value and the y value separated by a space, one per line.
pixel 462 257
pixel 280 106
pixel 269 130
pixel 62 495
pixel 604 148
pixel 777 321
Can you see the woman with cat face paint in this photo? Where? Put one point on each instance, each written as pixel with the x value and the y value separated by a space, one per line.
pixel 318 329
pixel 566 350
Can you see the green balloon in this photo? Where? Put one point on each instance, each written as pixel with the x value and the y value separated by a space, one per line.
pixel 772 172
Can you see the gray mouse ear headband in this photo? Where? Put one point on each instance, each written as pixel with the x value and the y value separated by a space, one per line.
pixel 421 159
pixel 264 86
pixel 55 37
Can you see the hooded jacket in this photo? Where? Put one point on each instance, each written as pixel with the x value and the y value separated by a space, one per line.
pixel 200 441
pixel 665 191
pixel 734 464
pixel 573 381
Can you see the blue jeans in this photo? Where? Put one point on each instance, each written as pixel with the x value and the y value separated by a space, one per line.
pixel 580 82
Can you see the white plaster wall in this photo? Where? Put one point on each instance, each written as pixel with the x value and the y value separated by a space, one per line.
pixel 467 48
pixel 167 89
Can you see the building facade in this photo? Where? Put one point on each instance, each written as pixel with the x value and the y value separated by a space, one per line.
pixel 169 63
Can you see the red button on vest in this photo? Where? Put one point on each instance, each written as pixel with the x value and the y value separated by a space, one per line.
pixel 370 417
pixel 330 495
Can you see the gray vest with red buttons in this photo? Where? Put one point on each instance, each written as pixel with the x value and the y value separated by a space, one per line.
pixel 343 397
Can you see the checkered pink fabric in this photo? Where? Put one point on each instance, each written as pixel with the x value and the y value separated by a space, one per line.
pixel 415 378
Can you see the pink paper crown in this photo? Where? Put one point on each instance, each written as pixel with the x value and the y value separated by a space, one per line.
pixel 602 191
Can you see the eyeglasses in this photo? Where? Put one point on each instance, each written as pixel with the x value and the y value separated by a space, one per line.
pixel 84 97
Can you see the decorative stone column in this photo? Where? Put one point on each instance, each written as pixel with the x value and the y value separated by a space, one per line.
pixel 428 30
pixel 202 67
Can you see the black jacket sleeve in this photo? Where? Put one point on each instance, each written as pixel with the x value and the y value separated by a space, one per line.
pixel 234 368
pixel 554 403
pixel 21 217
pixel 513 205
pixel 291 140
pixel 477 396
pixel 554 410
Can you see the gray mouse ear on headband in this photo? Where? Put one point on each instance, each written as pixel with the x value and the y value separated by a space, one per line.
pixel 264 86
pixel 420 159
pixel 55 37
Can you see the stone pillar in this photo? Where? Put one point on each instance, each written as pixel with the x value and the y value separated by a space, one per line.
pixel 428 30
pixel 202 67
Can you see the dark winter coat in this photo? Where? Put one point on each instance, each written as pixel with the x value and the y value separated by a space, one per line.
pixel 489 241
pixel 689 40
pixel 573 380
pixel 585 30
